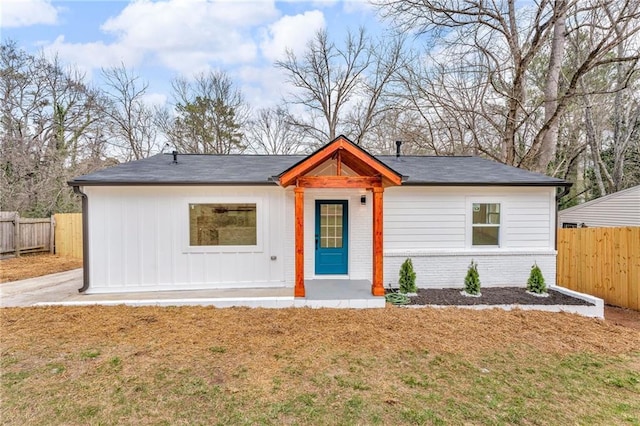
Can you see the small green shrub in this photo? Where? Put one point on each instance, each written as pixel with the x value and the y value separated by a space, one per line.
pixel 472 280
pixel 535 283
pixel 407 279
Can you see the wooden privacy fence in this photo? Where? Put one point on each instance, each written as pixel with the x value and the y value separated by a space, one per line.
pixel 21 235
pixel 68 234
pixel 603 262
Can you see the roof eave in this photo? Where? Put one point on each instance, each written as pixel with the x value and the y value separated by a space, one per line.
pixel 184 183
pixel 538 184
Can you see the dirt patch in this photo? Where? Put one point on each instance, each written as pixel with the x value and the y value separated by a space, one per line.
pixel 622 316
pixel 492 296
pixel 37 265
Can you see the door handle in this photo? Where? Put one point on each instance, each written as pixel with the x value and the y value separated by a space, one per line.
pixel 316 242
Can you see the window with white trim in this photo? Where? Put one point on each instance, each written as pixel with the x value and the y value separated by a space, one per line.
pixel 485 226
pixel 223 224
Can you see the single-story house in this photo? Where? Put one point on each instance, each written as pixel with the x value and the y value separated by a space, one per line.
pixel 183 221
pixel 621 208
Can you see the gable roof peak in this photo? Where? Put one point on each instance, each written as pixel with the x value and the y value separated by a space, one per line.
pixel 354 156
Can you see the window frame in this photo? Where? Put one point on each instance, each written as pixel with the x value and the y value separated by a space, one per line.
pixel 260 218
pixel 470 225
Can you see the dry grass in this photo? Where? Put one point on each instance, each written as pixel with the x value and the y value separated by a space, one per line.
pixel 29 266
pixel 195 365
pixel 147 365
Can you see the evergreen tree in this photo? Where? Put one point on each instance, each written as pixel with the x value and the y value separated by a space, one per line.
pixel 535 283
pixel 407 279
pixel 472 280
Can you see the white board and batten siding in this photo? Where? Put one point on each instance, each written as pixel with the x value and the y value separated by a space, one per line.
pixel 140 237
pixel 432 226
pixel 621 208
pixel 140 240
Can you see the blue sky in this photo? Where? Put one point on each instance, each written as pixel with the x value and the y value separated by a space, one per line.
pixel 163 39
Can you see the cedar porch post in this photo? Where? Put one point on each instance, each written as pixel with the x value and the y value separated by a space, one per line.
pixel 377 287
pixel 299 232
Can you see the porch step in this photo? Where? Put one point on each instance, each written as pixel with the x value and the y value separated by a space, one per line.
pixel 339 293
pixel 378 302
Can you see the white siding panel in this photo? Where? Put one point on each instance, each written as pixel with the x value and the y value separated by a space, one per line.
pixel 140 240
pixel 439 242
pixel 423 218
pixel 289 237
pixel 436 217
pixel 619 209
pixel 139 236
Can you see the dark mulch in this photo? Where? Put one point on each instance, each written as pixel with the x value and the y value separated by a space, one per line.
pixel 492 296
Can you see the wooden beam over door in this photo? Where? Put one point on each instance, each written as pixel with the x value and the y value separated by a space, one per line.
pixel 365 182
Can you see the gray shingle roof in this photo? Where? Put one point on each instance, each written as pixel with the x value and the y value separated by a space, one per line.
pixel 194 169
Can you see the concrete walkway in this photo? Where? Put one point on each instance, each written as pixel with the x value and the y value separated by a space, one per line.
pixel 62 286
pixel 62 290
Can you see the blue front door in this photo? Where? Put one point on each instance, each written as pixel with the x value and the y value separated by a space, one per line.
pixel 332 243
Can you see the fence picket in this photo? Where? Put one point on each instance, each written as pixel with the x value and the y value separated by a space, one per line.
pixel 69 234
pixel 20 235
pixel 604 262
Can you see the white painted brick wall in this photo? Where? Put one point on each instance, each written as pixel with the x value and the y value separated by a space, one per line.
pixel 440 270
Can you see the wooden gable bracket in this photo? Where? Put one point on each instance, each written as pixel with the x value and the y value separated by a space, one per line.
pixel 364 164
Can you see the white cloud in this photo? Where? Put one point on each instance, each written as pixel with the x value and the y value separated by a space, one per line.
pixel 292 32
pixel 183 35
pixel 88 56
pixel 323 3
pixel 24 13
pixel 155 99
pixel 190 34
pixel 354 6
pixel 262 86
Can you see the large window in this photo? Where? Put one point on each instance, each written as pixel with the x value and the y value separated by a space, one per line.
pixel 222 225
pixel 486 224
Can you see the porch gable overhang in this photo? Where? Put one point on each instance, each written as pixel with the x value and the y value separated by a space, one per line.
pixel 372 172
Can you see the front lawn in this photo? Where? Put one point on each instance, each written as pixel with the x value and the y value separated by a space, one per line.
pixel 195 365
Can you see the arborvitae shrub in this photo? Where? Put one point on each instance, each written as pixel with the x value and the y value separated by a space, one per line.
pixel 535 283
pixel 472 280
pixel 407 278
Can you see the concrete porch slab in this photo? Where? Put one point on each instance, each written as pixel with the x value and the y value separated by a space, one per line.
pixel 62 290
pixel 336 293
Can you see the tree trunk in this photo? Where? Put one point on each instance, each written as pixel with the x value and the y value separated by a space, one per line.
pixel 593 147
pixel 547 149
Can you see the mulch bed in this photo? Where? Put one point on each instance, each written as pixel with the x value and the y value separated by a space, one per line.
pixel 492 296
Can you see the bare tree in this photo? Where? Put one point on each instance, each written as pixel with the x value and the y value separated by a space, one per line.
pixel 210 115
pixel 609 25
pixel 131 121
pixel 497 46
pixel 271 132
pixel 342 88
pixel 51 130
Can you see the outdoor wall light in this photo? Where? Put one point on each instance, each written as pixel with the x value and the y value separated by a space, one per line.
pixel 363 200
